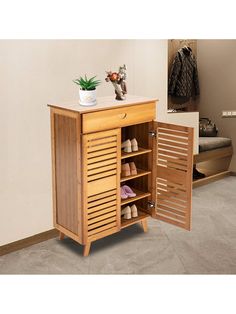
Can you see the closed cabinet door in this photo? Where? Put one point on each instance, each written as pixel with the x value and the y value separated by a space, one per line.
pixel 172 169
pixel 101 183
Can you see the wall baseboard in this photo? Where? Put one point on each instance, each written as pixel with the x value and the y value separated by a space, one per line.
pixel 21 244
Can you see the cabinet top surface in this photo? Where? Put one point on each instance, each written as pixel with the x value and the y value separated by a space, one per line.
pixel 103 103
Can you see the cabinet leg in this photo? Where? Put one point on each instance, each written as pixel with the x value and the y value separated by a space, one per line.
pixel 87 249
pixel 61 236
pixel 144 225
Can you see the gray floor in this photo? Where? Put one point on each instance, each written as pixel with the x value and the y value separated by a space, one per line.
pixel 210 248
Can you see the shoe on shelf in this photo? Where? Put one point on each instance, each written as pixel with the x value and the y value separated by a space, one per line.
pixel 126 145
pixel 197 175
pixel 128 191
pixel 133 169
pixel 126 212
pixel 125 170
pixel 123 195
pixel 134 145
pixel 134 211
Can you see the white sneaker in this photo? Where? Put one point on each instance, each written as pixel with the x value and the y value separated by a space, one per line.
pixel 126 145
pixel 134 211
pixel 126 212
pixel 134 145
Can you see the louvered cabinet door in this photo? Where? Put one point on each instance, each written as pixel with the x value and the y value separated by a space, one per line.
pixel 101 183
pixel 174 164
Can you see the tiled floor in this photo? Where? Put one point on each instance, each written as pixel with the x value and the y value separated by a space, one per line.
pixel 210 248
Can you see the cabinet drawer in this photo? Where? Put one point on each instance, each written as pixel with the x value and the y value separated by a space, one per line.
pixel 119 117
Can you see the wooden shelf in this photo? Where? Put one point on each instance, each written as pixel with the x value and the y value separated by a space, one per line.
pixel 140 173
pixel 211 176
pixel 140 151
pixel 128 222
pixel 139 196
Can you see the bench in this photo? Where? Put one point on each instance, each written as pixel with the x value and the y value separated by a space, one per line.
pixel 213 159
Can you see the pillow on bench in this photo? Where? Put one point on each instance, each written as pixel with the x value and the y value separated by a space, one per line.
pixel 210 143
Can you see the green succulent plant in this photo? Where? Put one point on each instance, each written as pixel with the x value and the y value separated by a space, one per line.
pixel 87 84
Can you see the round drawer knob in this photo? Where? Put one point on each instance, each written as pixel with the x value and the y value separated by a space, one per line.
pixel 123 115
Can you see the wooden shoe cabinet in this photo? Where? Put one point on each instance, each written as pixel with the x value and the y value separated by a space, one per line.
pixel 86 168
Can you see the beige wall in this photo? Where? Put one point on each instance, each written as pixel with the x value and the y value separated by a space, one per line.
pixel 217 75
pixel 187 119
pixel 34 73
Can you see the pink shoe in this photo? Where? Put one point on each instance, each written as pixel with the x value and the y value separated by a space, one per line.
pixel 127 190
pixel 122 193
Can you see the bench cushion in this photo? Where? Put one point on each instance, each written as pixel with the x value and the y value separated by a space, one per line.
pixel 209 143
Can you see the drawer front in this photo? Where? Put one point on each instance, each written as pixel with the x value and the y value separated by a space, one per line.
pixel 119 117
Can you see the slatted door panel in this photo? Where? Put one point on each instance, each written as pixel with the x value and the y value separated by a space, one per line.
pixel 174 174
pixel 101 166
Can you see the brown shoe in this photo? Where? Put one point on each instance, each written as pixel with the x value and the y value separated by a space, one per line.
pixel 133 169
pixel 125 170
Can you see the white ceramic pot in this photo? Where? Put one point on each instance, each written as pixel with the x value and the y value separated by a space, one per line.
pixel 88 97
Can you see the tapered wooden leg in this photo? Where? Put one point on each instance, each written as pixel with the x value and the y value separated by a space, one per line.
pixel 87 249
pixel 61 236
pixel 144 225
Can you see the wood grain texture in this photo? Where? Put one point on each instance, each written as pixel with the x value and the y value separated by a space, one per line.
pixel 105 205
pixel 53 158
pixel 103 234
pixel 87 168
pixel 61 236
pixel 213 154
pixel 87 249
pixel 142 161
pixel 144 225
pixel 119 117
pixel 174 174
pixel 66 161
pixel 140 173
pixel 101 183
pixel 139 196
pixel 152 142
pixel 141 151
pixel 214 164
pixel 142 216
pixel 68 233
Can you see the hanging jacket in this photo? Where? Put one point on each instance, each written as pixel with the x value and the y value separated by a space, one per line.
pixel 183 80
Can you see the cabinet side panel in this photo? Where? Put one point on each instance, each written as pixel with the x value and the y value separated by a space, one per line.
pixel 66 163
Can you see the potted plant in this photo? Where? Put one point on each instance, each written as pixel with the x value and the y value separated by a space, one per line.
pixel 87 90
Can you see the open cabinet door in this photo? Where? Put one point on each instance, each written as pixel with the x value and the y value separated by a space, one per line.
pixel 174 166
